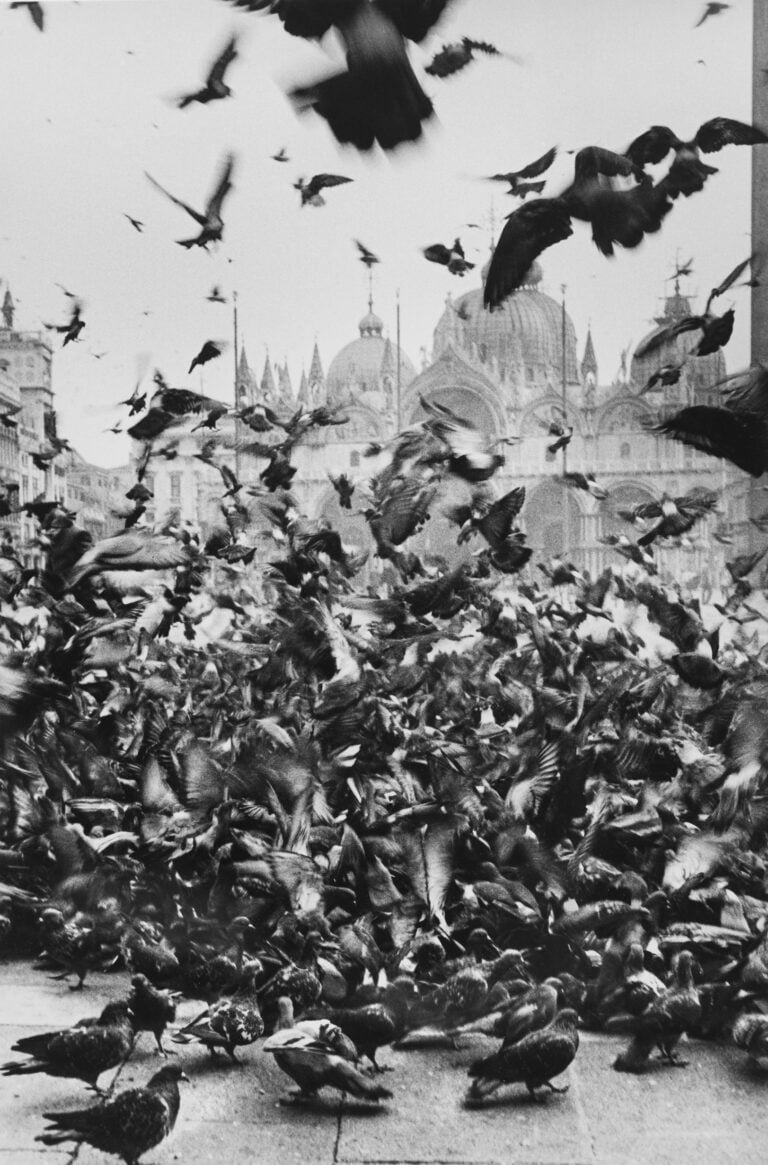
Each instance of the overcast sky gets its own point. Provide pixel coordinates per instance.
(90, 104)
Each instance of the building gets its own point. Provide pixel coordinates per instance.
(513, 372)
(97, 495)
(26, 359)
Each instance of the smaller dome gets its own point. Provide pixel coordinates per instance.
(370, 324)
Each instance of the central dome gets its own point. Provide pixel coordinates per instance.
(523, 335)
(360, 365)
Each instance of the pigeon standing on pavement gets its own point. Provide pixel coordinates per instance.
(128, 1126)
(80, 1053)
(534, 1060)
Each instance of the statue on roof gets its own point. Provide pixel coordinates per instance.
(8, 309)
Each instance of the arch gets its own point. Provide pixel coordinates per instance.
(545, 410)
(626, 415)
(623, 496)
(362, 424)
(465, 401)
(552, 516)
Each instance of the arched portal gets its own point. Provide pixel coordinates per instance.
(465, 403)
(623, 497)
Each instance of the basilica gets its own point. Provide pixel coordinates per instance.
(513, 372)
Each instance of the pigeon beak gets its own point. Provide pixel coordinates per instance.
(185, 1077)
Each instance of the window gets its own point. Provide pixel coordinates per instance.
(175, 479)
(626, 451)
(354, 459)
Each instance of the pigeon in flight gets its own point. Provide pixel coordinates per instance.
(517, 178)
(450, 257)
(454, 57)
(711, 9)
(210, 221)
(214, 89)
(377, 98)
(310, 191)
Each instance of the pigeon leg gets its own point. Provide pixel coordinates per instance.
(553, 1089)
(539, 1097)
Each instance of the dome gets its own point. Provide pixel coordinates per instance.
(361, 365)
(524, 335)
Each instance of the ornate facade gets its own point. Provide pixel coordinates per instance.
(512, 372)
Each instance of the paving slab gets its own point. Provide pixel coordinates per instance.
(715, 1112)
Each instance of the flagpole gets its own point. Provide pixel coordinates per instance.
(236, 391)
(566, 515)
(398, 414)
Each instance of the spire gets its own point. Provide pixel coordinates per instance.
(388, 365)
(243, 367)
(303, 394)
(316, 375)
(284, 386)
(589, 359)
(268, 390)
(8, 309)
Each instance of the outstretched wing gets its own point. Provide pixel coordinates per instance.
(533, 169)
(652, 147)
(741, 439)
(724, 131)
(199, 218)
(222, 62)
(527, 232)
(223, 186)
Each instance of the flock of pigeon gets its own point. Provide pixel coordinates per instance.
(347, 809)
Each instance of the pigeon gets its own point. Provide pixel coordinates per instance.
(209, 351)
(35, 10)
(667, 374)
(470, 455)
(281, 155)
(377, 99)
(688, 174)
(714, 8)
(344, 488)
(129, 1126)
(664, 1020)
(234, 1022)
(617, 217)
(365, 255)
(76, 948)
(450, 257)
(129, 551)
(534, 1060)
(310, 191)
(715, 332)
(453, 57)
(317, 1054)
(586, 482)
(215, 88)
(517, 178)
(751, 1033)
(135, 222)
(81, 1053)
(374, 1025)
(152, 1008)
(73, 327)
(215, 295)
(210, 221)
(493, 519)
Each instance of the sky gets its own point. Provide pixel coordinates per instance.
(90, 106)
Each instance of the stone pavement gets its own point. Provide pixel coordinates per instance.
(713, 1113)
